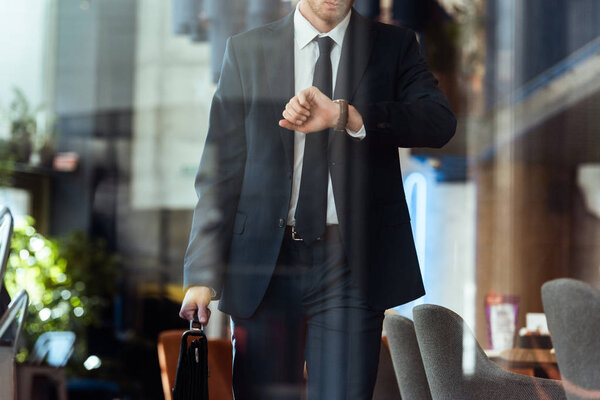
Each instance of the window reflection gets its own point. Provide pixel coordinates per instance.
(119, 91)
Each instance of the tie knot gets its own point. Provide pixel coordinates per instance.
(325, 45)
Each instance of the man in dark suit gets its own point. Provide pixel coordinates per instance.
(302, 228)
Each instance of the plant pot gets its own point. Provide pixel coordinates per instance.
(20, 147)
(47, 153)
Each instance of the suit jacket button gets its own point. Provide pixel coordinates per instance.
(281, 222)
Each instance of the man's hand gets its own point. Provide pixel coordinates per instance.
(195, 303)
(312, 111)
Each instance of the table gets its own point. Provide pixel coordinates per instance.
(533, 362)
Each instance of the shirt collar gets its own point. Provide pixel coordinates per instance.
(304, 32)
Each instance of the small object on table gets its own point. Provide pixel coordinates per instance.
(67, 161)
(501, 312)
(533, 340)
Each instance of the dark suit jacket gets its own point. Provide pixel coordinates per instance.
(245, 177)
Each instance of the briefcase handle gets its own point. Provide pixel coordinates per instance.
(194, 325)
(193, 331)
(196, 330)
(192, 366)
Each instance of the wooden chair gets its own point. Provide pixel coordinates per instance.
(220, 359)
(219, 364)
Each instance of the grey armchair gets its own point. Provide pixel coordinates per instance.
(11, 324)
(406, 357)
(12, 315)
(457, 368)
(573, 312)
(386, 385)
(6, 231)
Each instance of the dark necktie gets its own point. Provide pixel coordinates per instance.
(311, 211)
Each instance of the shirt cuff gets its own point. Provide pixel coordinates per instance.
(360, 134)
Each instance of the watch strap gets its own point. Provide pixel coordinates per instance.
(343, 118)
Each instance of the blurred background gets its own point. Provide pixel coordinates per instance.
(103, 114)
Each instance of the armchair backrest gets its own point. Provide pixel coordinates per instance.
(406, 357)
(11, 323)
(6, 231)
(573, 312)
(458, 368)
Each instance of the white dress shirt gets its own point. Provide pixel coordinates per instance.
(306, 53)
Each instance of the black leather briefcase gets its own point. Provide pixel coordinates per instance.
(191, 381)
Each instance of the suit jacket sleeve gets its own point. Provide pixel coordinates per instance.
(218, 181)
(419, 115)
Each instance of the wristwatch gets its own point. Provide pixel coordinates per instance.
(343, 118)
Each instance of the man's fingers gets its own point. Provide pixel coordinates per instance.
(303, 99)
(306, 96)
(284, 123)
(312, 96)
(196, 311)
(203, 314)
(292, 117)
(195, 304)
(299, 108)
(296, 112)
(188, 311)
(292, 127)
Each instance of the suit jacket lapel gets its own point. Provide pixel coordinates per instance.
(278, 53)
(356, 52)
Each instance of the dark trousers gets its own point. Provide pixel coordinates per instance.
(312, 311)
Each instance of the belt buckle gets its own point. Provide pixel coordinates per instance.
(295, 235)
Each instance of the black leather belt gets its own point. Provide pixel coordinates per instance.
(331, 231)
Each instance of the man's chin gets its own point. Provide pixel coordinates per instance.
(333, 17)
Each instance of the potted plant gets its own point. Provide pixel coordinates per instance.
(71, 281)
(25, 137)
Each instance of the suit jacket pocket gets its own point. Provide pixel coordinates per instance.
(239, 223)
(395, 214)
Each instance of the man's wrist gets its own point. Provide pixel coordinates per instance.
(205, 291)
(355, 121)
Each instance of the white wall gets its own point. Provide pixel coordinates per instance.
(26, 53)
(448, 259)
(172, 95)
